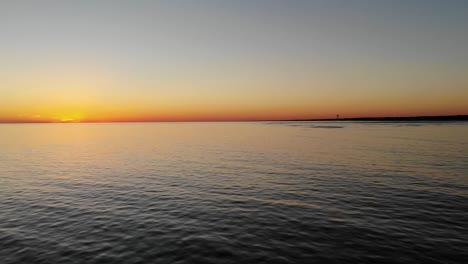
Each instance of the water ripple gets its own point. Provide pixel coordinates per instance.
(264, 194)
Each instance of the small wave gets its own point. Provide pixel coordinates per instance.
(326, 126)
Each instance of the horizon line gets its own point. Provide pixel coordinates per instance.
(458, 117)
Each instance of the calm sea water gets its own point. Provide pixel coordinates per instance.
(281, 192)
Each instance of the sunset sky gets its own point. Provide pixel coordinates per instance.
(92, 61)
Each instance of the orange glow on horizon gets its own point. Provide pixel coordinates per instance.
(90, 94)
(70, 62)
(207, 116)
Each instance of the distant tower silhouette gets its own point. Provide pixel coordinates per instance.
(337, 116)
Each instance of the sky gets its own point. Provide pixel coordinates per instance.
(207, 60)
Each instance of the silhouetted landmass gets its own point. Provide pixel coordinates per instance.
(449, 118)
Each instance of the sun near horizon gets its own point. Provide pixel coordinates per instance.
(231, 61)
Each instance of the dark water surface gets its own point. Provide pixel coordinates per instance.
(294, 192)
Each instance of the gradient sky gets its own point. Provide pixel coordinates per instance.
(231, 60)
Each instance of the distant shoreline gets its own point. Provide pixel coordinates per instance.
(449, 118)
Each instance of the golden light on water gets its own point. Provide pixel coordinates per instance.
(68, 118)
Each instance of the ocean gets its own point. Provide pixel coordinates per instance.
(235, 192)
